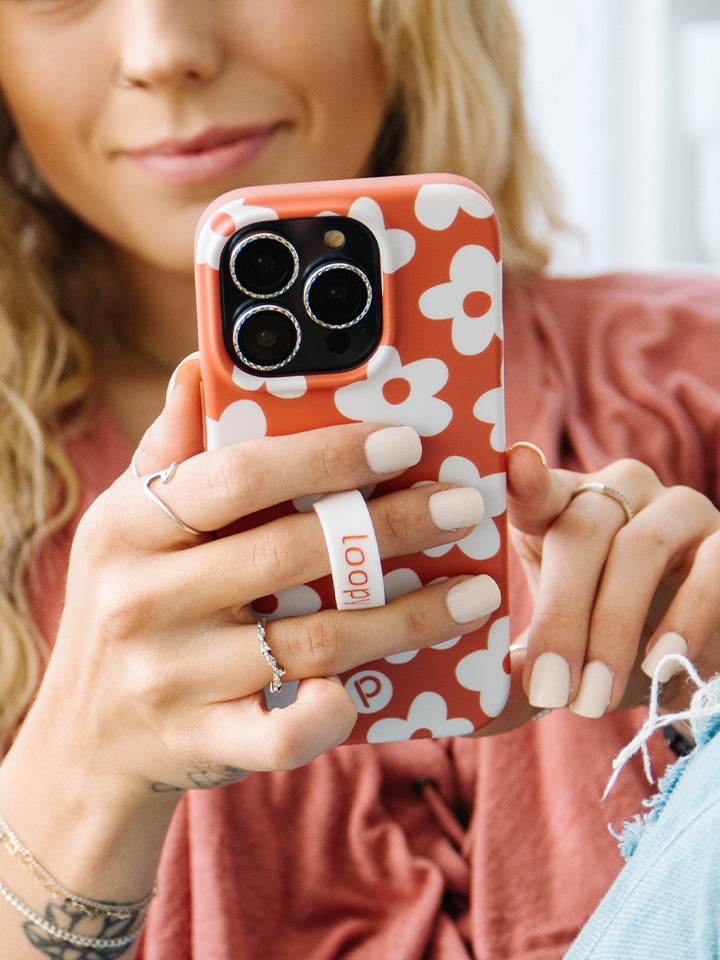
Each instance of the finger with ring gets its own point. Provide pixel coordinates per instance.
(278, 672)
(597, 486)
(164, 476)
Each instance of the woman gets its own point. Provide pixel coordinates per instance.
(124, 118)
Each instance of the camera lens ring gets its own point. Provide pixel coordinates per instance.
(243, 245)
(247, 315)
(321, 271)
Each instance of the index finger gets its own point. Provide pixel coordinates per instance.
(214, 489)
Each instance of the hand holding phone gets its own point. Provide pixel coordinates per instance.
(372, 300)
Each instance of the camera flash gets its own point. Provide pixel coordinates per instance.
(334, 239)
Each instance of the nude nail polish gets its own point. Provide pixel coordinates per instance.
(530, 446)
(456, 508)
(392, 448)
(474, 598)
(595, 690)
(550, 681)
(668, 643)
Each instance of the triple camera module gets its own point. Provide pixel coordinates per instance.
(301, 296)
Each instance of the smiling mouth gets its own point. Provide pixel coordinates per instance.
(210, 156)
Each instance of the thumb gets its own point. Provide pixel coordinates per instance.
(537, 495)
(177, 434)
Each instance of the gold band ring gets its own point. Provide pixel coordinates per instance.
(597, 486)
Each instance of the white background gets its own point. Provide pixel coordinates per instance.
(624, 99)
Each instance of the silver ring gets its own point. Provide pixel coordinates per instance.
(597, 486)
(165, 476)
(277, 671)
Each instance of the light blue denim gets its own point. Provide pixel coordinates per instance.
(665, 903)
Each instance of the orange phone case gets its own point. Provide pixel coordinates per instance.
(438, 368)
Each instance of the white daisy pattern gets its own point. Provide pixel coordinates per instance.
(467, 300)
(490, 408)
(240, 420)
(438, 204)
(428, 712)
(484, 670)
(394, 393)
(234, 215)
(288, 387)
(397, 247)
(484, 541)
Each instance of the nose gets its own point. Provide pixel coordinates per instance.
(165, 42)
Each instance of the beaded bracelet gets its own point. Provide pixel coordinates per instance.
(17, 849)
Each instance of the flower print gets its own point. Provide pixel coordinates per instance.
(484, 541)
(289, 387)
(394, 393)
(241, 420)
(484, 670)
(468, 300)
(428, 712)
(490, 408)
(438, 204)
(215, 232)
(397, 247)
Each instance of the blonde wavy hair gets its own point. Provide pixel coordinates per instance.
(454, 105)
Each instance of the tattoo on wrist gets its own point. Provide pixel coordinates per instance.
(205, 780)
(65, 933)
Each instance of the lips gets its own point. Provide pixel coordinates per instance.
(212, 155)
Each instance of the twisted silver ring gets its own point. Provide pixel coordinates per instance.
(165, 476)
(277, 671)
(597, 486)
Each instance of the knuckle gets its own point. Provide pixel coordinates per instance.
(314, 643)
(393, 524)
(330, 459)
(642, 539)
(558, 616)
(636, 472)
(417, 626)
(607, 627)
(285, 749)
(231, 477)
(586, 524)
(101, 530)
(284, 545)
(125, 608)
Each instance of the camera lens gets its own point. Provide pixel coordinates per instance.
(263, 265)
(266, 337)
(337, 295)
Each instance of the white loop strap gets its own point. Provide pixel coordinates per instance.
(352, 546)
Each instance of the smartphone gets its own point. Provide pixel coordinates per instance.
(375, 299)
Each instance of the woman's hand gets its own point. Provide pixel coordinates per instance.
(157, 639)
(611, 591)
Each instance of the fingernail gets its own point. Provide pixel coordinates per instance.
(173, 378)
(550, 681)
(668, 643)
(473, 598)
(456, 508)
(595, 690)
(530, 446)
(393, 448)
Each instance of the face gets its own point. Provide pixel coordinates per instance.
(137, 113)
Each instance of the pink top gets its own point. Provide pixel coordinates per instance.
(495, 847)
